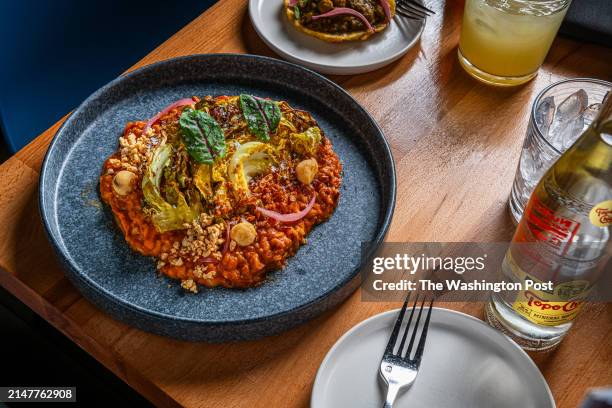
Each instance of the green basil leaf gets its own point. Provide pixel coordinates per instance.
(296, 12)
(202, 135)
(262, 115)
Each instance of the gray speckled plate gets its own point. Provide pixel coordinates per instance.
(124, 284)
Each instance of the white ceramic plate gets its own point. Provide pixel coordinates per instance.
(355, 57)
(466, 364)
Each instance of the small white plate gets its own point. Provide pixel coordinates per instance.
(354, 57)
(466, 364)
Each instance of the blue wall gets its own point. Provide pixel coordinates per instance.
(55, 53)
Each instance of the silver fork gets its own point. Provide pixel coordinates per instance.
(412, 9)
(398, 369)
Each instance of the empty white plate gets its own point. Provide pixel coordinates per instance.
(466, 364)
(354, 57)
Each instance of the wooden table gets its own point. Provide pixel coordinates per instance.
(456, 144)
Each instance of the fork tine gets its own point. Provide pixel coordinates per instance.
(419, 6)
(396, 328)
(407, 9)
(401, 347)
(421, 346)
(410, 8)
(416, 328)
(407, 15)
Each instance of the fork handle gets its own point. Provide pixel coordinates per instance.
(392, 391)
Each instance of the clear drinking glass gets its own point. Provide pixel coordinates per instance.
(504, 42)
(559, 115)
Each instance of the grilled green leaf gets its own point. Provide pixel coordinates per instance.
(271, 112)
(202, 135)
(262, 115)
(254, 117)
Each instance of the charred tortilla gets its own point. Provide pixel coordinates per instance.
(339, 28)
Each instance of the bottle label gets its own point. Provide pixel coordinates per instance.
(542, 225)
(546, 226)
(538, 309)
(601, 214)
(560, 306)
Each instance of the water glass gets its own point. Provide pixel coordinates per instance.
(559, 115)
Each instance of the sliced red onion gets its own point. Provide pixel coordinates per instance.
(208, 259)
(385, 6)
(180, 102)
(227, 238)
(288, 217)
(345, 10)
(293, 3)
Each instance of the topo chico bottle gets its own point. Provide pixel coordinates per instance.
(563, 238)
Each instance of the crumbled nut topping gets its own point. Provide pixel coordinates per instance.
(198, 272)
(189, 285)
(176, 261)
(134, 152)
(203, 239)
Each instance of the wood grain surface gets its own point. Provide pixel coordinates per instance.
(456, 144)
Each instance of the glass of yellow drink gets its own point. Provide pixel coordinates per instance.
(504, 42)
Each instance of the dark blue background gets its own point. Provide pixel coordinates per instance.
(56, 53)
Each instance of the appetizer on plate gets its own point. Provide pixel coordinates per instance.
(221, 189)
(340, 20)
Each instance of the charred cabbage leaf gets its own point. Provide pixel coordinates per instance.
(262, 115)
(202, 179)
(166, 216)
(249, 160)
(203, 137)
(307, 142)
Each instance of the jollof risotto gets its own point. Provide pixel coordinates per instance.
(221, 190)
